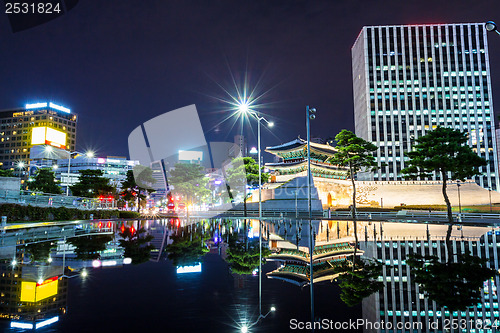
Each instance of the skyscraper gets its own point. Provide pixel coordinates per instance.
(407, 80)
(35, 124)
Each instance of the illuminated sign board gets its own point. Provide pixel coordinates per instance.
(49, 136)
(44, 105)
(59, 107)
(47, 322)
(189, 269)
(36, 105)
(34, 292)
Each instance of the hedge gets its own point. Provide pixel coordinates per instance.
(17, 213)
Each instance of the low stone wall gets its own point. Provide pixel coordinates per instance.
(10, 183)
(389, 194)
(338, 193)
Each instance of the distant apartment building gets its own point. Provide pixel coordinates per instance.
(407, 80)
(43, 123)
(113, 167)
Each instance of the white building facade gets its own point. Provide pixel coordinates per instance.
(407, 80)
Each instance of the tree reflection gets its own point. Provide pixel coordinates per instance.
(39, 251)
(136, 246)
(360, 280)
(187, 248)
(88, 248)
(455, 285)
(243, 256)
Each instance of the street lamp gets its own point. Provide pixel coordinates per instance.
(459, 203)
(491, 26)
(88, 154)
(244, 108)
(310, 115)
(245, 327)
(489, 193)
(20, 166)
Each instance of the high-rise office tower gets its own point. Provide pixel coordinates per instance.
(36, 124)
(407, 80)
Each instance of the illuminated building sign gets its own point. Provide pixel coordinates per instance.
(36, 105)
(189, 269)
(47, 322)
(44, 105)
(34, 292)
(59, 107)
(49, 136)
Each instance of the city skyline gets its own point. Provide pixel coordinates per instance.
(296, 55)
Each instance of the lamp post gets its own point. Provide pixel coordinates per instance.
(20, 166)
(489, 193)
(244, 328)
(459, 203)
(310, 115)
(491, 26)
(244, 108)
(89, 154)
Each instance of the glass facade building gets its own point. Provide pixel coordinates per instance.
(407, 80)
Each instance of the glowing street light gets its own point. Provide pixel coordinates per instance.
(244, 328)
(310, 115)
(89, 154)
(491, 26)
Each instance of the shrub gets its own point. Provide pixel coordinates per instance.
(20, 213)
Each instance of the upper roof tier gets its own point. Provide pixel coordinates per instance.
(300, 144)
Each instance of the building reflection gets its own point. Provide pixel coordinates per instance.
(402, 304)
(32, 296)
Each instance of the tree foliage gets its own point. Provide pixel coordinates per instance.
(88, 248)
(137, 184)
(6, 173)
(136, 245)
(353, 152)
(244, 171)
(39, 252)
(356, 154)
(45, 181)
(187, 249)
(443, 151)
(92, 184)
(360, 282)
(244, 258)
(189, 181)
(455, 285)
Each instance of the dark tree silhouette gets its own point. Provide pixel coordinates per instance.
(88, 248)
(452, 285)
(360, 282)
(136, 245)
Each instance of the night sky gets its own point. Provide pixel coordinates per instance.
(119, 63)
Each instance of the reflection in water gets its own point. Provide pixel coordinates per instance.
(31, 294)
(406, 304)
(382, 258)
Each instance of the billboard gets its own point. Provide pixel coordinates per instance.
(34, 292)
(48, 136)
